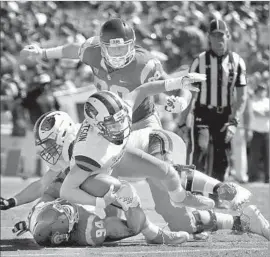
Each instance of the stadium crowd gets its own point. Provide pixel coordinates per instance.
(175, 32)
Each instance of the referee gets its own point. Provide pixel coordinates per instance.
(220, 102)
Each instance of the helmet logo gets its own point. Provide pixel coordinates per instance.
(48, 124)
(116, 41)
(57, 238)
(90, 110)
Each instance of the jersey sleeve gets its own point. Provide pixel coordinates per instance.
(241, 74)
(85, 51)
(151, 71)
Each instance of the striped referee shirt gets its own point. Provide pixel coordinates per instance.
(222, 75)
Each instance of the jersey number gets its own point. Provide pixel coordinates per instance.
(102, 85)
(101, 231)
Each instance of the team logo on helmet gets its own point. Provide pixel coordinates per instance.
(90, 110)
(58, 238)
(48, 123)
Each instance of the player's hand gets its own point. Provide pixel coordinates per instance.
(6, 204)
(230, 129)
(193, 78)
(20, 228)
(31, 52)
(110, 196)
(175, 104)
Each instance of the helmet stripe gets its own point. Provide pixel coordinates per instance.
(119, 104)
(111, 105)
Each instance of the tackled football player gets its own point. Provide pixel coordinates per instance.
(102, 140)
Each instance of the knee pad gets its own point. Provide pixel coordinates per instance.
(200, 227)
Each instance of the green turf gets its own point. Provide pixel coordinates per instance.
(219, 244)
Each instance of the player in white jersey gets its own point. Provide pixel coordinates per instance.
(54, 133)
(102, 139)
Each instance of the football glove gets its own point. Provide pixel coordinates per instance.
(31, 52)
(230, 128)
(20, 228)
(6, 204)
(175, 104)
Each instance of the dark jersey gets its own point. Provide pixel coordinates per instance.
(142, 69)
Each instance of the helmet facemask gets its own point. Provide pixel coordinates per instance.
(118, 53)
(49, 150)
(49, 141)
(116, 128)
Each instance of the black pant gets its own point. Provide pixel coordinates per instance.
(259, 156)
(207, 124)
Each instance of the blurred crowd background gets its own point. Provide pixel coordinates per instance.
(175, 32)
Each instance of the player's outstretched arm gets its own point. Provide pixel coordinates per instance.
(136, 97)
(29, 194)
(69, 51)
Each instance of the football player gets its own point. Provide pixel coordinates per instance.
(118, 66)
(103, 136)
(54, 221)
(193, 222)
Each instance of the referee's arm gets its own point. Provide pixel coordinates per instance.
(241, 91)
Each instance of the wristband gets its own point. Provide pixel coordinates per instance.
(12, 202)
(100, 203)
(173, 83)
(183, 125)
(234, 122)
(53, 53)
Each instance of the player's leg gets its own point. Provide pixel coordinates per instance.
(138, 222)
(145, 165)
(168, 146)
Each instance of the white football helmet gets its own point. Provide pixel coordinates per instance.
(51, 131)
(107, 112)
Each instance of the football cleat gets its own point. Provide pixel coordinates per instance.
(233, 195)
(252, 221)
(169, 238)
(127, 196)
(195, 201)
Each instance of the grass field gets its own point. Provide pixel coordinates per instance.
(219, 244)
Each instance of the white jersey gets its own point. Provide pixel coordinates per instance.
(93, 153)
(64, 160)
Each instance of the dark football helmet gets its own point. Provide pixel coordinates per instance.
(117, 41)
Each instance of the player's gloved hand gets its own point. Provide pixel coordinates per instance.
(6, 204)
(175, 104)
(20, 228)
(107, 199)
(193, 78)
(230, 128)
(31, 52)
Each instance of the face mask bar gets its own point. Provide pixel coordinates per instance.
(50, 151)
(118, 61)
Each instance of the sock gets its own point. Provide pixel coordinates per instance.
(196, 181)
(211, 221)
(150, 231)
(224, 221)
(173, 184)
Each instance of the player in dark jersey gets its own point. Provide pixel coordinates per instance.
(54, 221)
